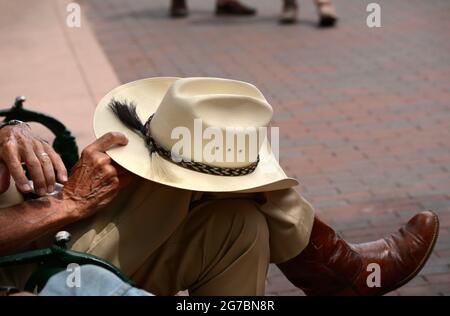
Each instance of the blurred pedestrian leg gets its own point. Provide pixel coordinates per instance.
(178, 9)
(290, 12)
(325, 9)
(327, 13)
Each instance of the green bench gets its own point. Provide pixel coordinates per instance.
(57, 257)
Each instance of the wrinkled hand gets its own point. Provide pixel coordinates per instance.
(94, 180)
(18, 145)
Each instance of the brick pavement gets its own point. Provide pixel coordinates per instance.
(364, 113)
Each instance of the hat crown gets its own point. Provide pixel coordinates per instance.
(212, 114)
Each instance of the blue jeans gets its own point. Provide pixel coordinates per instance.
(93, 281)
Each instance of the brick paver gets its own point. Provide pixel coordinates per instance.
(364, 113)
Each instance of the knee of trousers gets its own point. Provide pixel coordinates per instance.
(219, 240)
(237, 223)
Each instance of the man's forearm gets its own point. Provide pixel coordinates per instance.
(30, 220)
(93, 183)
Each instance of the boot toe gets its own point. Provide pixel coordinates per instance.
(424, 223)
(400, 256)
(424, 229)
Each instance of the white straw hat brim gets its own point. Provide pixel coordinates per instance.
(147, 95)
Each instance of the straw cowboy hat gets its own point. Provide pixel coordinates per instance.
(160, 115)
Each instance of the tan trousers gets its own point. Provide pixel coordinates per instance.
(221, 248)
(169, 239)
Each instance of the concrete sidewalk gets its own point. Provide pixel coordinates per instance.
(62, 71)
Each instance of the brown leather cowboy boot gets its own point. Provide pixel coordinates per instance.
(331, 266)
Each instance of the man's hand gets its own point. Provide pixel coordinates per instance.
(18, 145)
(92, 184)
(94, 180)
